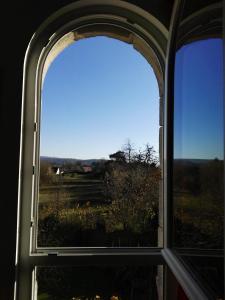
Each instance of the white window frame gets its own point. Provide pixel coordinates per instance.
(152, 39)
(117, 19)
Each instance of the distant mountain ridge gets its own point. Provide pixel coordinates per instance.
(61, 160)
(195, 160)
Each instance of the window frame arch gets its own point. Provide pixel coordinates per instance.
(117, 19)
(128, 16)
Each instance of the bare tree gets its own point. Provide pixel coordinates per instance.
(133, 188)
(128, 149)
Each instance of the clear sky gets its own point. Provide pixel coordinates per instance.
(98, 93)
(199, 123)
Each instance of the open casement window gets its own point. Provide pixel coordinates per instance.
(194, 187)
(172, 269)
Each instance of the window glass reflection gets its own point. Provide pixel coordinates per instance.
(198, 145)
(97, 283)
(208, 268)
(198, 182)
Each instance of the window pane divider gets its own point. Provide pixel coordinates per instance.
(55, 259)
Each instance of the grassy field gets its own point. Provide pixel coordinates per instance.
(77, 189)
(198, 221)
(74, 211)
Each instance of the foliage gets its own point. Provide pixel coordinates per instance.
(125, 214)
(132, 185)
(199, 208)
(45, 173)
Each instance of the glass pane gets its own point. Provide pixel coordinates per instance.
(198, 145)
(198, 166)
(99, 168)
(97, 283)
(208, 268)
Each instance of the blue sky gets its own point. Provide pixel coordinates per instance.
(100, 92)
(198, 111)
(97, 94)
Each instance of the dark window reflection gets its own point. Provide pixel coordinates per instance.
(208, 268)
(198, 145)
(97, 283)
(198, 157)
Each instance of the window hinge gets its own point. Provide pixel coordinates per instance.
(35, 126)
(33, 169)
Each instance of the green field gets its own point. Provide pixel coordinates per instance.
(77, 189)
(74, 210)
(198, 221)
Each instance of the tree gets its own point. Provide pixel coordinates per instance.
(128, 151)
(133, 188)
(150, 157)
(45, 172)
(118, 156)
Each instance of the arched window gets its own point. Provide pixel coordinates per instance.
(99, 135)
(93, 238)
(104, 265)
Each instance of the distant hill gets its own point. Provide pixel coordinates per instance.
(192, 161)
(61, 161)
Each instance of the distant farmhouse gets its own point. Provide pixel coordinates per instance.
(53, 170)
(87, 169)
(57, 170)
